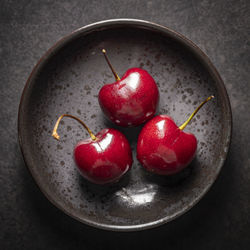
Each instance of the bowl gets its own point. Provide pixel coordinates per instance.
(67, 79)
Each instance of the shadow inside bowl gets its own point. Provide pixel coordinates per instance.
(172, 180)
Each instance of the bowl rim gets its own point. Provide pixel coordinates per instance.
(120, 22)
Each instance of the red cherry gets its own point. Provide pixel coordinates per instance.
(131, 100)
(103, 158)
(163, 147)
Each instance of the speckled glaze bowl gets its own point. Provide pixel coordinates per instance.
(67, 80)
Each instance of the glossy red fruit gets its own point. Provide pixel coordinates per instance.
(163, 147)
(102, 158)
(131, 100)
(105, 159)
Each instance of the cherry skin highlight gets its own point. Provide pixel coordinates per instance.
(131, 100)
(102, 158)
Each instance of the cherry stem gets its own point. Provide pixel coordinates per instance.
(111, 67)
(57, 137)
(193, 114)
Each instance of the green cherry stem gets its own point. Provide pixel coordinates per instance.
(194, 113)
(57, 137)
(111, 67)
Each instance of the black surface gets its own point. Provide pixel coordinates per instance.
(221, 220)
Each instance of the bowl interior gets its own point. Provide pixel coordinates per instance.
(68, 81)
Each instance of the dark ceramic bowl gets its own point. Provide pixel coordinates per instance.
(67, 80)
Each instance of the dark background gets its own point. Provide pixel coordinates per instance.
(221, 220)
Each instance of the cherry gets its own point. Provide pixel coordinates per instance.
(131, 100)
(102, 158)
(163, 147)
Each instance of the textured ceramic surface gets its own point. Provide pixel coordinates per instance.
(67, 80)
